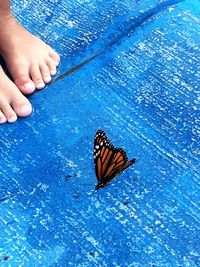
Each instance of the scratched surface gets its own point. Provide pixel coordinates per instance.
(142, 88)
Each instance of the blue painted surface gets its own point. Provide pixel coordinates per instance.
(142, 88)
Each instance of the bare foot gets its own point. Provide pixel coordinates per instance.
(12, 102)
(30, 61)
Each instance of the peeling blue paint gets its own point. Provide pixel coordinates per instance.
(142, 88)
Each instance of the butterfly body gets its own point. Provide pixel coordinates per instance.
(109, 161)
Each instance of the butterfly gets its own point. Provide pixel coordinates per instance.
(109, 161)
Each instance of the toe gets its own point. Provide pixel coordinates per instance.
(2, 117)
(22, 79)
(21, 105)
(46, 76)
(54, 56)
(8, 112)
(52, 66)
(12, 102)
(23, 110)
(36, 76)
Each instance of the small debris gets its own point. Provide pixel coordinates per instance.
(3, 199)
(4, 258)
(126, 202)
(76, 196)
(92, 253)
(69, 176)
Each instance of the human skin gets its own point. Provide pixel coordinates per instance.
(30, 61)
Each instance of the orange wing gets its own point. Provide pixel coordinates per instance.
(109, 161)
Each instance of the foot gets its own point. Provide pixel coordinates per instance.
(29, 60)
(12, 102)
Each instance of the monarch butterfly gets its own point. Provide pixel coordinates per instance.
(109, 161)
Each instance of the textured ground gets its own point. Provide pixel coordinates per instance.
(142, 88)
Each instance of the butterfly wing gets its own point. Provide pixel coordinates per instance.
(109, 161)
(118, 164)
(103, 154)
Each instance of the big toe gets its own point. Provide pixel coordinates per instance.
(22, 108)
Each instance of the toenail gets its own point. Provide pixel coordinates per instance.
(47, 78)
(40, 85)
(25, 110)
(29, 86)
(2, 119)
(12, 118)
(53, 71)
